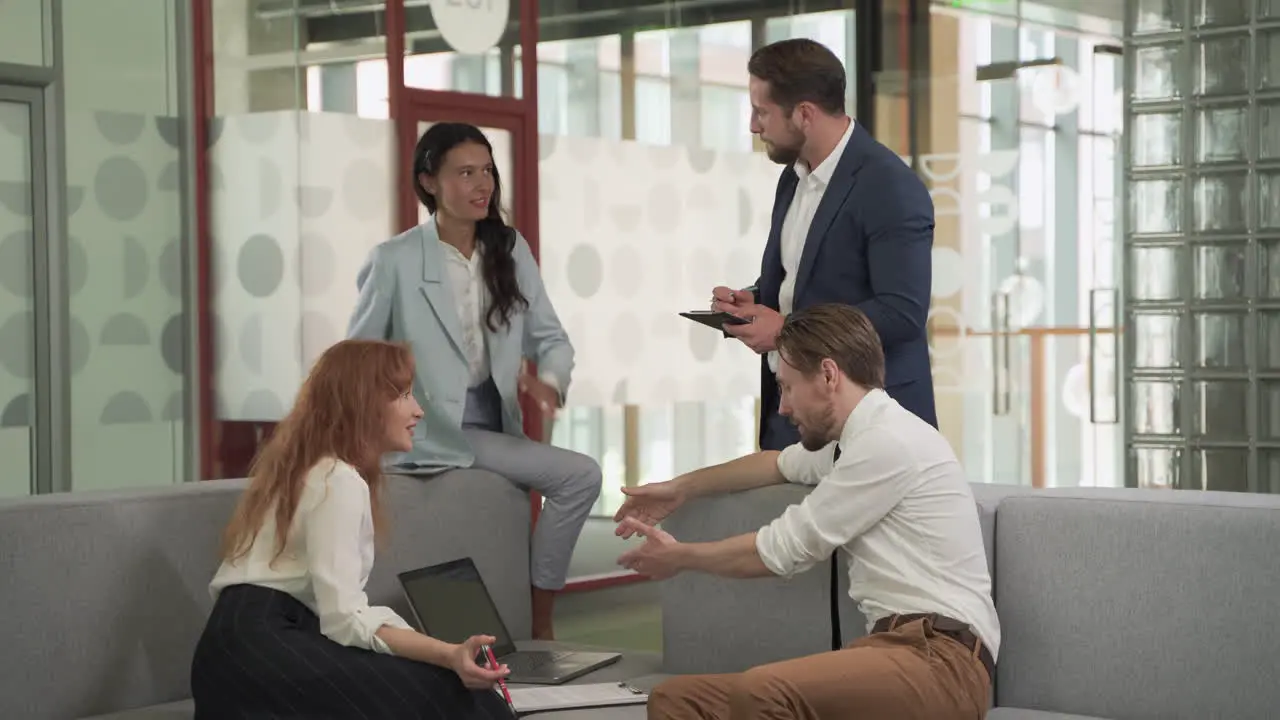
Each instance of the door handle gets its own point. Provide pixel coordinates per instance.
(1001, 396)
(1092, 369)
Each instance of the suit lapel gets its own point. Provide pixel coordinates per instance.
(435, 285)
(771, 265)
(842, 182)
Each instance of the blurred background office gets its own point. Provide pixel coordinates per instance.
(187, 188)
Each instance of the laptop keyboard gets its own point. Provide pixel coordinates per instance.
(533, 660)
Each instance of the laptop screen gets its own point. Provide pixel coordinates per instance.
(452, 604)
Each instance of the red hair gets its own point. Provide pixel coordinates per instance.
(340, 412)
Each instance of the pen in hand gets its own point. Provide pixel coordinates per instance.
(502, 683)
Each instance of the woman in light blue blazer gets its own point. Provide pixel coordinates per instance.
(464, 291)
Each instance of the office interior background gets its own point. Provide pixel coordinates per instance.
(188, 187)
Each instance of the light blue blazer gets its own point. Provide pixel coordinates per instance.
(405, 296)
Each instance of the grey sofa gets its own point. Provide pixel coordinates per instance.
(1114, 604)
(104, 594)
(1122, 605)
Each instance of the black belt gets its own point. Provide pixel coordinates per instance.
(943, 625)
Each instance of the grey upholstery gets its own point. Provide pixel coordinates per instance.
(105, 594)
(1017, 714)
(1140, 605)
(1114, 604)
(702, 615)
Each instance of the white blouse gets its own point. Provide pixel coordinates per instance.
(471, 297)
(327, 558)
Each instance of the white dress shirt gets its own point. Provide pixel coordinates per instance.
(799, 218)
(471, 297)
(327, 557)
(898, 503)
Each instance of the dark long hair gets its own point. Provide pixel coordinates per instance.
(495, 238)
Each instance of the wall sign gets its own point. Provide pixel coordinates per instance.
(471, 26)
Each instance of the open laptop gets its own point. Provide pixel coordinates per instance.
(451, 603)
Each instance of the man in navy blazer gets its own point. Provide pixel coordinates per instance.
(851, 224)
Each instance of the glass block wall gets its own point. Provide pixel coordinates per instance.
(1202, 244)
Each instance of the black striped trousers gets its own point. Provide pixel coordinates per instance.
(262, 656)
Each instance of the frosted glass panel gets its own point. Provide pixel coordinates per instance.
(17, 347)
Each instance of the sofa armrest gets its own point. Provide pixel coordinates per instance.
(712, 624)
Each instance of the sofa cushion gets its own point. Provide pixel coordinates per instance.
(458, 514)
(787, 618)
(106, 593)
(1017, 714)
(1139, 604)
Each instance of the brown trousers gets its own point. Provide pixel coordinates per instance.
(911, 673)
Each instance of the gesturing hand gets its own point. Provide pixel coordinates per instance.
(473, 675)
(649, 504)
(547, 398)
(656, 557)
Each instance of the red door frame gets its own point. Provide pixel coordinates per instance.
(203, 110)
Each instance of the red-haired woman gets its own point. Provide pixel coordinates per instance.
(292, 634)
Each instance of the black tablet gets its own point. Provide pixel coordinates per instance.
(714, 318)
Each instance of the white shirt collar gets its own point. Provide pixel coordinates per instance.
(863, 414)
(822, 174)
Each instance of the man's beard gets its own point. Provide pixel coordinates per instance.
(788, 153)
(817, 434)
(781, 155)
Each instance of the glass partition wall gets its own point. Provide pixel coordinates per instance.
(1203, 239)
(650, 190)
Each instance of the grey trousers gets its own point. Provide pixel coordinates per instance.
(568, 481)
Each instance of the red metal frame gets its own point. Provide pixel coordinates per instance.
(202, 56)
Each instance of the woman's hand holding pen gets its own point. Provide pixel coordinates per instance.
(473, 675)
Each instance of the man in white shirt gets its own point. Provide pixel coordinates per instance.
(889, 492)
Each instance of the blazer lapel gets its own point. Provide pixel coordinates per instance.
(435, 285)
(771, 263)
(842, 182)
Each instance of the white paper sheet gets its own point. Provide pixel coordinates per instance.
(566, 697)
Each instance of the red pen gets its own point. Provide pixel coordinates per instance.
(493, 665)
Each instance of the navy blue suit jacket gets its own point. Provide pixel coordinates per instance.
(870, 246)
